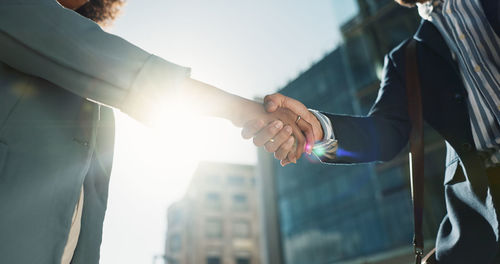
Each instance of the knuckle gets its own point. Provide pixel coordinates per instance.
(244, 134)
(280, 154)
(268, 148)
(300, 140)
(283, 137)
(271, 97)
(271, 129)
(258, 124)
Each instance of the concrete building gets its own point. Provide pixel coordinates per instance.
(217, 221)
(315, 213)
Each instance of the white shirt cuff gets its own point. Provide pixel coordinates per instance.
(326, 125)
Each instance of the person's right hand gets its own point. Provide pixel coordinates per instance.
(273, 103)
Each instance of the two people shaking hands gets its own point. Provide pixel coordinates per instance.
(295, 130)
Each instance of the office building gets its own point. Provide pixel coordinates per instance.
(349, 214)
(217, 221)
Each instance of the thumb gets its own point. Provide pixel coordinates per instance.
(273, 102)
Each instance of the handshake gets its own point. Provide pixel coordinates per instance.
(286, 128)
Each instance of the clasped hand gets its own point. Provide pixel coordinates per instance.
(288, 130)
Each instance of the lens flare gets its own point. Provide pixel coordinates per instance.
(319, 151)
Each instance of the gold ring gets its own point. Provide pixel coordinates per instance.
(298, 118)
(271, 140)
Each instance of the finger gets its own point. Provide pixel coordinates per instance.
(284, 162)
(251, 128)
(291, 157)
(300, 142)
(290, 118)
(273, 101)
(284, 149)
(267, 133)
(307, 129)
(278, 139)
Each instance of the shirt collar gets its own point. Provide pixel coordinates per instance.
(425, 10)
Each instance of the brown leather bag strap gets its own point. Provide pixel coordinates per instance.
(414, 95)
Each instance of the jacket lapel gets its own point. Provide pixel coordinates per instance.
(429, 35)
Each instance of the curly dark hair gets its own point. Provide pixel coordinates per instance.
(102, 12)
(410, 3)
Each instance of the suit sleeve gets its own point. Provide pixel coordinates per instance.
(44, 39)
(380, 135)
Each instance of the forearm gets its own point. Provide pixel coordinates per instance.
(45, 40)
(367, 139)
(208, 100)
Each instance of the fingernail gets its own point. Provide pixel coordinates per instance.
(270, 104)
(278, 124)
(288, 129)
(308, 149)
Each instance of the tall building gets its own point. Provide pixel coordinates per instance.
(217, 221)
(350, 214)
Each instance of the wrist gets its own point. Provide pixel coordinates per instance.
(316, 126)
(245, 110)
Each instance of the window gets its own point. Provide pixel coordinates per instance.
(213, 260)
(241, 229)
(243, 260)
(213, 228)
(240, 202)
(175, 217)
(212, 179)
(236, 180)
(175, 243)
(213, 201)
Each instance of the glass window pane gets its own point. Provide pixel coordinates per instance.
(213, 179)
(213, 228)
(236, 180)
(241, 229)
(213, 260)
(175, 243)
(240, 202)
(242, 261)
(213, 201)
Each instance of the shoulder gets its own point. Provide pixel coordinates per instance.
(397, 54)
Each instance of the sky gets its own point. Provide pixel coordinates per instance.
(249, 48)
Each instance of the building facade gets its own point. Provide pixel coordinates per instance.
(360, 213)
(217, 221)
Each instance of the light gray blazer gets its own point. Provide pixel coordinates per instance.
(52, 139)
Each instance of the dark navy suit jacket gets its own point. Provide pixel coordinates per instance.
(469, 231)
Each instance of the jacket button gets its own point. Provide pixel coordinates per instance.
(467, 146)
